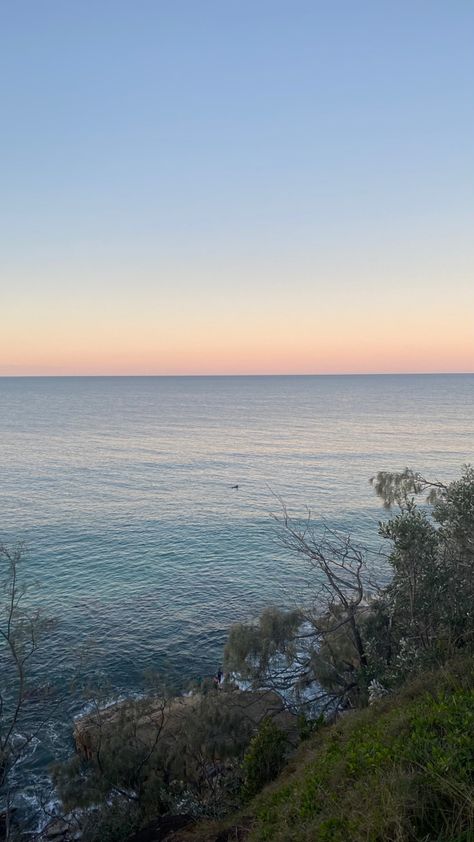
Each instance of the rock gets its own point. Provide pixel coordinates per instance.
(148, 714)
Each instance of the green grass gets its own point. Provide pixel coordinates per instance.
(402, 770)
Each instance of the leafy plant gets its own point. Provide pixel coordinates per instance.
(264, 758)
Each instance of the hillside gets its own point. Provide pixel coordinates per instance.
(399, 771)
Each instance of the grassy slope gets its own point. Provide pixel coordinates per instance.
(401, 770)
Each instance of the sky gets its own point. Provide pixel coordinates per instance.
(236, 186)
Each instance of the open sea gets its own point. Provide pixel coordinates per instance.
(121, 489)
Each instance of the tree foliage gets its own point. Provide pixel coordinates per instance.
(264, 758)
(314, 655)
(161, 756)
(21, 631)
(353, 631)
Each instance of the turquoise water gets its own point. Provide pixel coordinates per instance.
(121, 489)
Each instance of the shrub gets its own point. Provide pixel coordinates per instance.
(264, 757)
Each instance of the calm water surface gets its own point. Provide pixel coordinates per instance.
(121, 488)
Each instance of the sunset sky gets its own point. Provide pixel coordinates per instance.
(236, 186)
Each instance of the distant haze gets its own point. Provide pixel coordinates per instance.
(236, 188)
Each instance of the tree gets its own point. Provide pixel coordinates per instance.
(146, 757)
(431, 594)
(354, 631)
(117, 771)
(317, 653)
(21, 631)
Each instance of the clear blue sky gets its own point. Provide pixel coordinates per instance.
(236, 186)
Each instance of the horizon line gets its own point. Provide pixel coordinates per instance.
(254, 374)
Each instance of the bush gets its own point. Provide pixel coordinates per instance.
(111, 823)
(307, 726)
(356, 633)
(264, 758)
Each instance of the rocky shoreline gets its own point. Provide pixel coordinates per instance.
(149, 716)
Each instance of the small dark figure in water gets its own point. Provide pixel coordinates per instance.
(234, 486)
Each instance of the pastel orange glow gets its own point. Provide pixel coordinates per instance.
(327, 335)
(288, 192)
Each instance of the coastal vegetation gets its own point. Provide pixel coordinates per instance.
(356, 639)
(22, 628)
(400, 770)
(356, 722)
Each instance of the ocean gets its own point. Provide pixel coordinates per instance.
(137, 543)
